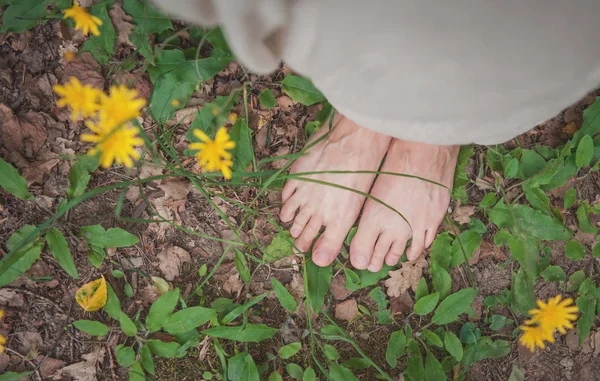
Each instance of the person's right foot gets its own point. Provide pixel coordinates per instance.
(348, 147)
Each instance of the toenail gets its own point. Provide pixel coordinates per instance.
(295, 232)
(362, 261)
(373, 268)
(322, 256)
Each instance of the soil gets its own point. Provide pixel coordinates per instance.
(40, 305)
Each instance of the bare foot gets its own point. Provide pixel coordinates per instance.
(382, 233)
(348, 147)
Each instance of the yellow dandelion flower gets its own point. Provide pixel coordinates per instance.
(114, 144)
(232, 117)
(212, 154)
(2, 343)
(69, 56)
(120, 106)
(535, 336)
(84, 22)
(83, 99)
(554, 315)
(1, 314)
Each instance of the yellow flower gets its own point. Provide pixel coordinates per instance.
(93, 295)
(1, 314)
(535, 335)
(115, 144)
(85, 22)
(120, 106)
(212, 154)
(2, 343)
(175, 102)
(69, 56)
(554, 315)
(83, 99)
(232, 117)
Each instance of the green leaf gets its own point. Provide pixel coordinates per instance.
(587, 309)
(414, 368)
(537, 198)
(147, 361)
(554, 274)
(242, 265)
(575, 281)
(243, 153)
(442, 282)
(161, 309)
(12, 376)
(432, 338)
(127, 326)
(422, 289)
(426, 304)
(309, 374)
(113, 305)
(531, 164)
(570, 198)
(275, 376)
(295, 371)
(12, 181)
(136, 373)
(188, 319)
(469, 333)
(95, 235)
(250, 372)
(574, 250)
(523, 219)
(470, 241)
(280, 247)
(102, 46)
(319, 280)
(148, 19)
(231, 316)
(22, 15)
(60, 250)
(163, 349)
(441, 250)
(289, 350)
(25, 257)
(339, 373)
(96, 256)
(453, 345)
(517, 374)
(511, 168)
(285, 298)
(596, 250)
(498, 322)
(395, 348)
(250, 333)
(92, 328)
(331, 353)
(302, 90)
(125, 355)
(433, 369)
(522, 291)
(210, 117)
(266, 98)
(358, 279)
(356, 363)
(585, 151)
(453, 306)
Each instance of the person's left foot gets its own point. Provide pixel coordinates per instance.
(382, 233)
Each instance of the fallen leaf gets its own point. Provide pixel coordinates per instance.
(489, 250)
(406, 277)
(29, 340)
(596, 343)
(122, 24)
(11, 298)
(84, 370)
(49, 365)
(171, 258)
(93, 295)
(401, 305)
(150, 169)
(462, 214)
(570, 129)
(25, 133)
(86, 70)
(346, 310)
(477, 306)
(176, 189)
(229, 276)
(35, 172)
(286, 103)
(338, 287)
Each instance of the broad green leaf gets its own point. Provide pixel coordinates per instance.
(136, 373)
(583, 219)
(460, 175)
(596, 250)
(469, 333)
(486, 348)
(531, 164)
(422, 289)
(91, 327)
(165, 61)
(231, 316)
(128, 290)
(280, 247)
(295, 371)
(453, 345)
(432, 338)
(426, 304)
(148, 19)
(102, 46)
(441, 250)
(433, 369)
(285, 298)
(24, 258)
(113, 305)
(442, 282)
(147, 361)
(210, 117)
(60, 250)
(477, 226)
(357, 279)
(12, 181)
(96, 256)
(585, 151)
(250, 372)
(22, 15)
(383, 314)
(574, 250)
(356, 363)
(537, 198)
(266, 98)
(523, 219)
(319, 280)
(250, 333)
(127, 325)
(235, 366)
(570, 198)
(517, 373)
(243, 153)
(163, 349)
(188, 319)
(340, 373)
(453, 306)
(275, 376)
(522, 294)
(469, 241)
(242, 265)
(511, 168)
(586, 301)
(140, 40)
(125, 355)
(95, 235)
(289, 350)
(12, 376)
(498, 322)
(302, 90)
(575, 281)
(554, 274)
(331, 353)
(414, 368)
(591, 122)
(161, 309)
(309, 375)
(395, 348)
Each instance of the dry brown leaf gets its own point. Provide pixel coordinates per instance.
(462, 214)
(171, 258)
(229, 278)
(86, 70)
(35, 172)
(347, 310)
(123, 26)
(11, 298)
(84, 370)
(401, 305)
(406, 277)
(338, 287)
(25, 133)
(49, 365)
(176, 189)
(570, 129)
(150, 169)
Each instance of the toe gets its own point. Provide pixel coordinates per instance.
(329, 245)
(308, 235)
(288, 211)
(363, 244)
(384, 242)
(288, 190)
(300, 222)
(430, 237)
(396, 251)
(417, 245)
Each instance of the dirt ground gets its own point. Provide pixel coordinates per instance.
(40, 305)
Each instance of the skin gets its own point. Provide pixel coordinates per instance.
(382, 234)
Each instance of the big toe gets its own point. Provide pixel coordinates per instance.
(329, 245)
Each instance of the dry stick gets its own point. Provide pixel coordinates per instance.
(30, 362)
